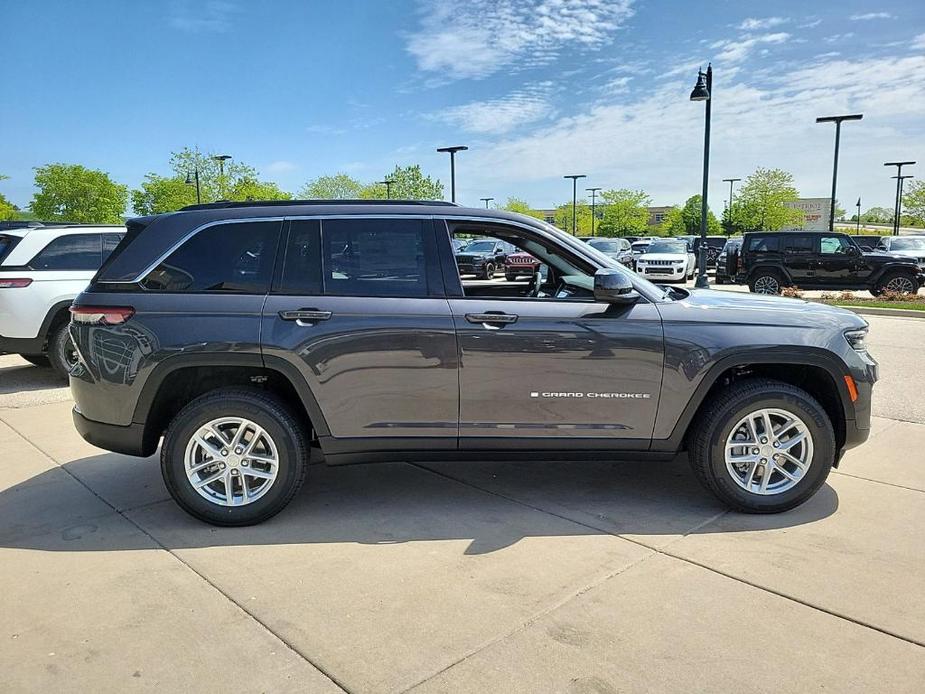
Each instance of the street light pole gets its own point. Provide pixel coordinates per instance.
(486, 201)
(388, 188)
(838, 121)
(703, 91)
(575, 178)
(453, 151)
(899, 205)
(188, 182)
(593, 192)
(857, 227)
(730, 181)
(221, 159)
(899, 184)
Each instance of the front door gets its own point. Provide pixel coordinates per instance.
(356, 309)
(836, 265)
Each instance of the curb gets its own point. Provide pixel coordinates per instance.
(876, 311)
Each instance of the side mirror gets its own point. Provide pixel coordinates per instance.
(614, 287)
(854, 250)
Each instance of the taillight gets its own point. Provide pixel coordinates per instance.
(12, 282)
(101, 315)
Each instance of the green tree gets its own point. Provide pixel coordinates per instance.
(340, 186)
(7, 209)
(159, 194)
(686, 220)
(408, 183)
(521, 207)
(213, 184)
(760, 202)
(73, 193)
(251, 189)
(625, 212)
(583, 217)
(914, 203)
(877, 215)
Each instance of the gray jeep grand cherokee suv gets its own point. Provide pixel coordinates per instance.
(248, 338)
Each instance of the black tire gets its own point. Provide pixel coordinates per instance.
(765, 282)
(61, 353)
(266, 411)
(888, 277)
(715, 423)
(489, 271)
(37, 359)
(509, 277)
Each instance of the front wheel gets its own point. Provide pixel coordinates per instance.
(234, 457)
(489, 271)
(509, 277)
(895, 282)
(763, 446)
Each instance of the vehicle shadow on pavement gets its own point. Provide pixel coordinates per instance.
(17, 379)
(491, 504)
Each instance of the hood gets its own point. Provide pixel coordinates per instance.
(749, 309)
(663, 256)
(884, 257)
(912, 253)
(463, 255)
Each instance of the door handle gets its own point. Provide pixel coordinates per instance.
(491, 318)
(305, 316)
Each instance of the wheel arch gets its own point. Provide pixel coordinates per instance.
(778, 270)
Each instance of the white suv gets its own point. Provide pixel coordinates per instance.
(669, 260)
(42, 269)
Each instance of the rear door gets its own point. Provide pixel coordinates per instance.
(358, 309)
(799, 256)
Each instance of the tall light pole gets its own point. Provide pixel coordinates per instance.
(575, 178)
(897, 221)
(857, 227)
(221, 159)
(453, 151)
(899, 185)
(703, 91)
(593, 192)
(838, 121)
(730, 181)
(388, 188)
(486, 201)
(189, 181)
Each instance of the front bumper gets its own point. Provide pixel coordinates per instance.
(130, 440)
(661, 272)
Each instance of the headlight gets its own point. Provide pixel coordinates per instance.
(857, 339)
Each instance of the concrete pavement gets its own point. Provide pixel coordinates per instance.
(475, 577)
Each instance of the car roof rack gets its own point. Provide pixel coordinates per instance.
(227, 204)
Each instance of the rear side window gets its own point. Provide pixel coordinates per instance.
(798, 245)
(763, 244)
(302, 262)
(374, 257)
(220, 258)
(110, 241)
(73, 252)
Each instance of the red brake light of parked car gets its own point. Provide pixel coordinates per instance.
(101, 315)
(13, 282)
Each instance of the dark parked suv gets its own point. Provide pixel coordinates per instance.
(243, 338)
(771, 260)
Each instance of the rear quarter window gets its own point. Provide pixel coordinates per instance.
(6, 245)
(764, 244)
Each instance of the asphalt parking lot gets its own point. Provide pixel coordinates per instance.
(464, 577)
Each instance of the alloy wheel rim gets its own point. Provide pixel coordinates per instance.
(231, 461)
(903, 285)
(766, 285)
(768, 451)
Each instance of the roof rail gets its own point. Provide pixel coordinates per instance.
(226, 204)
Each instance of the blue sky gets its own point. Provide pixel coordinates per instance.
(535, 89)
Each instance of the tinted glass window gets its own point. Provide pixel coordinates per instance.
(75, 252)
(225, 257)
(302, 263)
(374, 257)
(763, 244)
(831, 245)
(110, 241)
(797, 245)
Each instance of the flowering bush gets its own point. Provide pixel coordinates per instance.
(792, 292)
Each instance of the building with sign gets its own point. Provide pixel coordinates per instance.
(816, 212)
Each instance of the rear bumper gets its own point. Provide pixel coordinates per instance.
(129, 440)
(22, 345)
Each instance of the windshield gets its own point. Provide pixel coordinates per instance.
(605, 246)
(640, 245)
(667, 247)
(917, 244)
(480, 247)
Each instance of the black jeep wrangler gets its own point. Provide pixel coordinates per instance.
(771, 260)
(242, 338)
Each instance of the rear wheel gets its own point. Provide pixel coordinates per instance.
(895, 282)
(763, 446)
(61, 351)
(765, 282)
(36, 359)
(234, 457)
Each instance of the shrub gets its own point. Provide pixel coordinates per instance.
(792, 292)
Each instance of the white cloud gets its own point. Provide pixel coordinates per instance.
(195, 17)
(918, 41)
(736, 50)
(754, 24)
(460, 39)
(870, 15)
(280, 166)
(838, 38)
(809, 24)
(498, 116)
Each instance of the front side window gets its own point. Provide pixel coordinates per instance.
(220, 258)
(374, 257)
(73, 252)
(833, 245)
